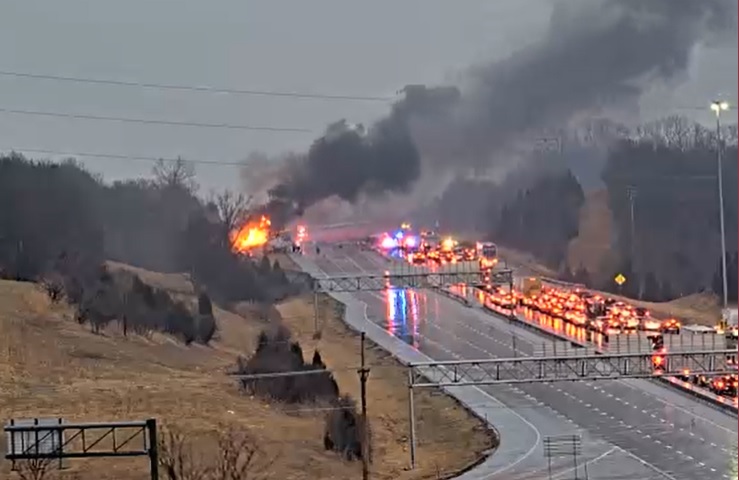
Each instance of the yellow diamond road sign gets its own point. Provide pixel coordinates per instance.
(620, 279)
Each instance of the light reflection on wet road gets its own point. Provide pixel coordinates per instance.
(684, 439)
(402, 315)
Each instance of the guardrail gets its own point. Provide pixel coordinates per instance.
(706, 395)
(563, 284)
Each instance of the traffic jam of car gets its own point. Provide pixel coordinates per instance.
(607, 317)
(429, 248)
(593, 316)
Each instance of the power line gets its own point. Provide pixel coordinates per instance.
(145, 121)
(114, 156)
(192, 88)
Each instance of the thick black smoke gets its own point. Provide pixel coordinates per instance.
(595, 55)
(349, 161)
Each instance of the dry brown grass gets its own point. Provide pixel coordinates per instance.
(52, 367)
(526, 263)
(698, 308)
(448, 436)
(593, 242)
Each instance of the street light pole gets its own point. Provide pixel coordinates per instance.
(718, 107)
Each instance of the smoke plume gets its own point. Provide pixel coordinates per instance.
(349, 161)
(595, 56)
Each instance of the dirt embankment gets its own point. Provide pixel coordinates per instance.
(50, 366)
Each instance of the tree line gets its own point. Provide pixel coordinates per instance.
(544, 218)
(671, 243)
(59, 224)
(668, 244)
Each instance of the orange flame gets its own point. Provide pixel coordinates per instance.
(251, 235)
(302, 235)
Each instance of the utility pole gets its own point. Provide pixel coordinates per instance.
(315, 311)
(631, 193)
(363, 374)
(718, 107)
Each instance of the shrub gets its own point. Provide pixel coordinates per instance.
(344, 430)
(276, 353)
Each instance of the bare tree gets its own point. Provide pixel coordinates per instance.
(34, 468)
(176, 457)
(676, 132)
(53, 285)
(175, 173)
(232, 207)
(239, 458)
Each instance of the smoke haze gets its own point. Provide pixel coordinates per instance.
(596, 56)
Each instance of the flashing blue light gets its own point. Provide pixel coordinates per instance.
(399, 235)
(403, 307)
(398, 304)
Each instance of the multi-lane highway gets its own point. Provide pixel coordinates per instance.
(632, 429)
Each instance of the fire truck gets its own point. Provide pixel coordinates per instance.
(487, 254)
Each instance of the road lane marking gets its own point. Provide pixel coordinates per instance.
(647, 464)
(511, 465)
(589, 462)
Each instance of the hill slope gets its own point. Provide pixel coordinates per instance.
(52, 367)
(593, 242)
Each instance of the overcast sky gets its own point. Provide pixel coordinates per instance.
(369, 48)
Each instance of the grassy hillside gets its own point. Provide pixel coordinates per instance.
(50, 366)
(593, 242)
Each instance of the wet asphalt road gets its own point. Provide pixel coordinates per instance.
(632, 429)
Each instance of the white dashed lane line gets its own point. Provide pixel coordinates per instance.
(597, 388)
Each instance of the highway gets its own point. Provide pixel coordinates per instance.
(632, 429)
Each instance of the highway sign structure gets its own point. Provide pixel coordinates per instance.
(405, 278)
(538, 369)
(40, 441)
(635, 342)
(382, 281)
(571, 367)
(561, 446)
(45, 441)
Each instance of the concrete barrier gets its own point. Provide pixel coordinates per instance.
(700, 393)
(498, 417)
(711, 398)
(451, 295)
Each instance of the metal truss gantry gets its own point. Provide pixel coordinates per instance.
(34, 442)
(459, 373)
(582, 367)
(382, 281)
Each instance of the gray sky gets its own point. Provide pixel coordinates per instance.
(322, 46)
